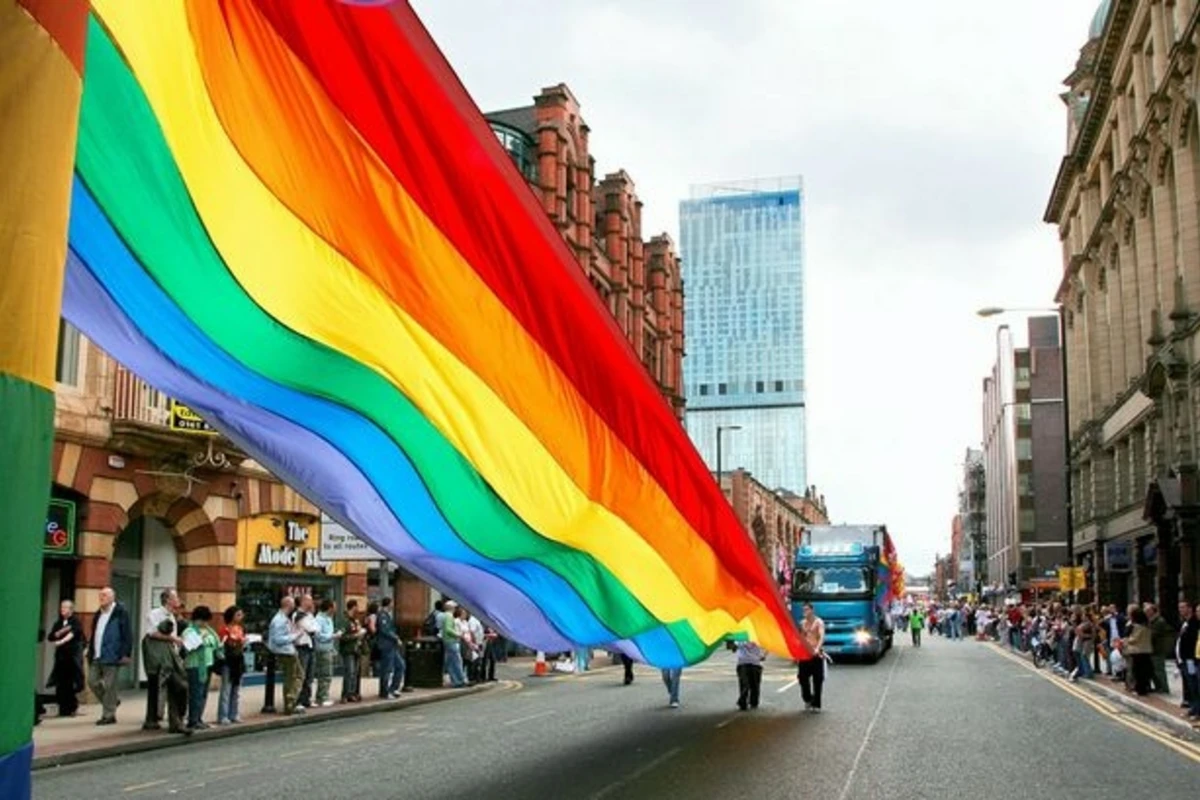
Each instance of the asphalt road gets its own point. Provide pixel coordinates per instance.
(950, 720)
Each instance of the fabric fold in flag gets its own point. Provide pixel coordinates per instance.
(356, 336)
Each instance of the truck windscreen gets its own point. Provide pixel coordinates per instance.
(831, 580)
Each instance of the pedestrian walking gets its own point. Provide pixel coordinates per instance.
(66, 635)
(749, 672)
(232, 637)
(916, 622)
(201, 642)
(111, 648)
(627, 662)
(324, 648)
(281, 640)
(811, 672)
(671, 679)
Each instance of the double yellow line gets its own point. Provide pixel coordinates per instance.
(1185, 749)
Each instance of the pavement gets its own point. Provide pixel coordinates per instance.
(68, 740)
(948, 720)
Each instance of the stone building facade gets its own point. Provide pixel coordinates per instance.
(601, 221)
(144, 497)
(1126, 205)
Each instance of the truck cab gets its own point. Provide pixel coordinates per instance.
(836, 569)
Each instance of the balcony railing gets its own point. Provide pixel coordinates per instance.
(135, 400)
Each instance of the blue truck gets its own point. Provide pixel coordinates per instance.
(837, 569)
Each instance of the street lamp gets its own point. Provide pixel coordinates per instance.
(721, 429)
(1061, 311)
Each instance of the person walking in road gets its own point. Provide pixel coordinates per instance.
(811, 672)
(916, 623)
(232, 637)
(111, 648)
(281, 640)
(671, 679)
(67, 676)
(749, 671)
(627, 662)
(201, 643)
(159, 643)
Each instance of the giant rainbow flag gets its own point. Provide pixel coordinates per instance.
(292, 217)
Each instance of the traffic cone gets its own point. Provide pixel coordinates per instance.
(539, 666)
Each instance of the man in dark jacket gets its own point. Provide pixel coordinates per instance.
(1185, 656)
(110, 648)
(1162, 637)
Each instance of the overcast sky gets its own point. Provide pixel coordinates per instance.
(928, 133)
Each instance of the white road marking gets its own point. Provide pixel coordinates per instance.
(295, 753)
(228, 767)
(870, 729)
(637, 773)
(137, 787)
(787, 686)
(531, 717)
(723, 723)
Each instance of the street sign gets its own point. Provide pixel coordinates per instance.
(1072, 579)
(1118, 556)
(60, 528)
(339, 544)
(185, 420)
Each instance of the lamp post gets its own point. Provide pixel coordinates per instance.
(721, 429)
(1061, 311)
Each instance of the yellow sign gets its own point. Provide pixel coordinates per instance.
(288, 543)
(1072, 579)
(188, 421)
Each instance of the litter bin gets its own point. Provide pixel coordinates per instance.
(423, 662)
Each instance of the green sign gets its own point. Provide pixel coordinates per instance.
(60, 528)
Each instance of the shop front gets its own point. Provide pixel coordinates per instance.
(278, 555)
(58, 571)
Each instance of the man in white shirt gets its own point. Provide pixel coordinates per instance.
(307, 624)
(160, 648)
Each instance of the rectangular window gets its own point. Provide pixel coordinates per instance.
(721, 388)
(1028, 521)
(67, 367)
(758, 387)
(1024, 449)
(1024, 412)
(1025, 484)
(779, 386)
(703, 388)
(1021, 377)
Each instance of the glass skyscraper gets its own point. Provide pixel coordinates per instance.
(743, 269)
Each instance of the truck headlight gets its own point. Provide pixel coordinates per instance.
(862, 637)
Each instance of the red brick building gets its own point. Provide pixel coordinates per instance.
(601, 220)
(773, 519)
